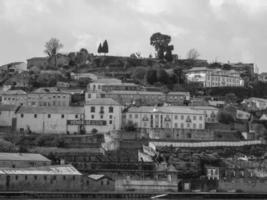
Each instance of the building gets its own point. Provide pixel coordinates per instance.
(50, 96)
(14, 97)
(100, 182)
(97, 84)
(209, 111)
(212, 172)
(15, 67)
(103, 115)
(254, 104)
(214, 77)
(50, 120)
(246, 69)
(46, 178)
(7, 115)
(166, 117)
(78, 76)
(21, 160)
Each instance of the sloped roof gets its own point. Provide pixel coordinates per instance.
(14, 92)
(102, 101)
(51, 109)
(46, 170)
(22, 157)
(97, 177)
(165, 109)
(8, 107)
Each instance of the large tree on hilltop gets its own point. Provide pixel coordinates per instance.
(100, 48)
(161, 44)
(52, 48)
(105, 47)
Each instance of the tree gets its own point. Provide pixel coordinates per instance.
(162, 76)
(100, 48)
(168, 55)
(139, 73)
(151, 76)
(225, 117)
(105, 47)
(52, 47)
(161, 44)
(192, 54)
(230, 98)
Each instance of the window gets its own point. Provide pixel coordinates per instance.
(49, 115)
(175, 125)
(62, 116)
(101, 109)
(45, 178)
(16, 177)
(110, 109)
(188, 125)
(200, 126)
(92, 109)
(73, 178)
(110, 121)
(76, 116)
(182, 117)
(194, 117)
(21, 115)
(194, 126)
(92, 116)
(130, 116)
(136, 116)
(26, 177)
(35, 115)
(175, 117)
(182, 125)
(200, 117)
(35, 177)
(101, 116)
(110, 116)
(88, 96)
(64, 177)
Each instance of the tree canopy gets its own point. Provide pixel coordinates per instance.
(52, 47)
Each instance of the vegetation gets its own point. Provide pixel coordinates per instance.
(52, 47)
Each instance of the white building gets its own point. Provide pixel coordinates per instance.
(214, 77)
(103, 115)
(7, 115)
(51, 120)
(14, 97)
(99, 83)
(167, 117)
(209, 111)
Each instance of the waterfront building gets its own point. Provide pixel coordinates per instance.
(7, 115)
(21, 160)
(14, 97)
(102, 115)
(100, 182)
(166, 117)
(45, 178)
(214, 77)
(50, 96)
(52, 120)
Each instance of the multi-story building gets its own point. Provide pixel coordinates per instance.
(49, 97)
(214, 77)
(166, 117)
(209, 111)
(103, 115)
(99, 83)
(14, 97)
(128, 97)
(51, 120)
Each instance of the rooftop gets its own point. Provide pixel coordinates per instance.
(108, 80)
(49, 170)
(52, 109)
(136, 92)
(14, 92)
(166, 109)
(22, 157)
(102, 101)
(48, 90)
(8, 107)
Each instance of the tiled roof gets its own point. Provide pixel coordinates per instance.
(22, 157)
(8, 107)
(17, 92)
(47, 170)
(165, 109)
(102, 101)
(51, 109)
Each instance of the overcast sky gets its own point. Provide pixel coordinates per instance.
(221, 30)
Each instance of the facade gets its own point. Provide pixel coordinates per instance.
(99, 83)
(100, 182)
(103, 115)
(50, 120)
(254, 104)
(214, 77)
(166, 117)
(21, 160)
(209, 111)
(14, 97)
(47, 178)
(7, 115)
(49, 97)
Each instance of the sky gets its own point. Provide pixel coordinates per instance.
(220, 30)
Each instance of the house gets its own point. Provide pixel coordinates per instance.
(100, 182)
(7, 115)
(103, 115)
(14, 97)
(21, 160)
(50, 120)
(214, 77)
(15, 67)
(49, 96)
(45, 178)
(212, 172)
(165, 117)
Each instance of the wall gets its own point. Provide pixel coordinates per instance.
(6, 118)
(42, 124)
(23, 163)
